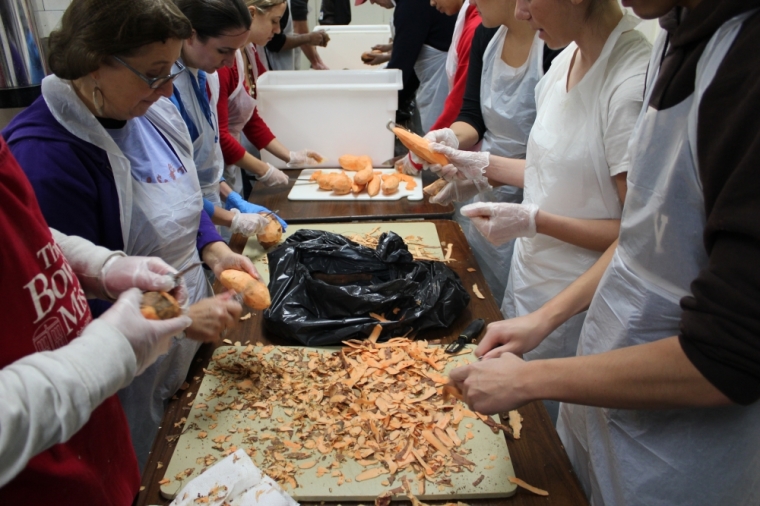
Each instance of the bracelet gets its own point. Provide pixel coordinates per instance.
(417, 166)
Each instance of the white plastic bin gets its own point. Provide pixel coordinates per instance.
(348, 42)
(334, 112)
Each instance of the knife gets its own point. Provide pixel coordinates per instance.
(184, 271)
(468, 336)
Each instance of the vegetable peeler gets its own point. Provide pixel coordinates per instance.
(468, 336)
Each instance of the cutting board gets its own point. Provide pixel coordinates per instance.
(303, 189)
(489, 451)
(426, 231)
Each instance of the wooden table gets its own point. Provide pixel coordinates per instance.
(321, 211)
(538, 456)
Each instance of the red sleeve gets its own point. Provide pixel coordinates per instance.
(231, 148)
(256, 130)
(454, 99)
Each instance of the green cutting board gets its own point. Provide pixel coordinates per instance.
(488, 451)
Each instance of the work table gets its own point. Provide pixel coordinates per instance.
(538, 456)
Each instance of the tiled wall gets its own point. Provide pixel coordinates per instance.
(48, 14)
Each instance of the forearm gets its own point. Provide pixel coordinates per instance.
(655, 375)
(506, 170)
(596, 235)
(86, 260)
(213, 253)
(222, 217)
(47, 397)
(466, 134)
(279, 150)
(302, 28)
(294, 40)
(250, 163)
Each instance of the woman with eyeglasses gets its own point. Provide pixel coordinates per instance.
(237, 104)
(220, 28)
(110, 160)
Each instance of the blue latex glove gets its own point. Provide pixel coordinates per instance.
(234, 200)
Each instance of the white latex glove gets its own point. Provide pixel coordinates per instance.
(410, 164)
(305, 158)
(146, 273)
(458, 190)
(501, 222)
(149, 338)
(445, 136)
(274, 177)
(463, 164)
(248, 224)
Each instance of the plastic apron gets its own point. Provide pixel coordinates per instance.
(452, 57)
(508, 106)
(661, 457)
(566, 173)
(156, 220)
(207, 152)
(430, 68)
(240, 107)
(285, 59)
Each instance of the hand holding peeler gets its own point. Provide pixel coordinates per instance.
(468, 336)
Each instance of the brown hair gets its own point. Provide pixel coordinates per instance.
(264, 5)
(93, 30)
(214, 18)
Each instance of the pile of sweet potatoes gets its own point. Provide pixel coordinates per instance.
(363, 178)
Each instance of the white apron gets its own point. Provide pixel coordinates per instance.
(207, 152)
(693, 456)
(286, 59)
(508, 106)
(156, 220)
(452, 57)
(430, 68)
(240, 107)
(566, 173)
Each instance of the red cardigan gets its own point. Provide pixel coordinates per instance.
(255, 130)
(456, 95)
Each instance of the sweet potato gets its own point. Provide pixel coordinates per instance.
(357, 188)
(373, 187)
(435, 187)
(363, 176)
(272, 234)
(324, 181)
(355, 163)
(255, 293)
(341, 185)
(159, 306)
(419, 146)
(390, 185)
(411, 184)
(316, 175)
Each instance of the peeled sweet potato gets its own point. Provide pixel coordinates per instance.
(316, 175)
(411, 184)
(363, 176)
(272, 234)
(419, 146)
(436, 186)
(357, 188)
(341, 185)
(390, 185)
(255, 293)
(159, 306)
(355, 163)
(373, 187)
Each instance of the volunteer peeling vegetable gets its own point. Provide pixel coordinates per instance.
(110, 160)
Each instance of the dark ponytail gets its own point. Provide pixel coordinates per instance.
(214, 18)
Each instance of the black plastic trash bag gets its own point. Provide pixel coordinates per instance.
(323, 287)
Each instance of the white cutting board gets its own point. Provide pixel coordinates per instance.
(489, 451)
(303, 189)
(426, 231)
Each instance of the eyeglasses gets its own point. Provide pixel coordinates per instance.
(153, 82)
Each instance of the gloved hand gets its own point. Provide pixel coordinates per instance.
(274, 177)
(445, 136)
(305, 158)
(149, 338)
(235, 201)
(410, 164)
(235, 261)
(463, 164)
(248, 224)
(119, 274)
(501, 222)
(458, 190)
